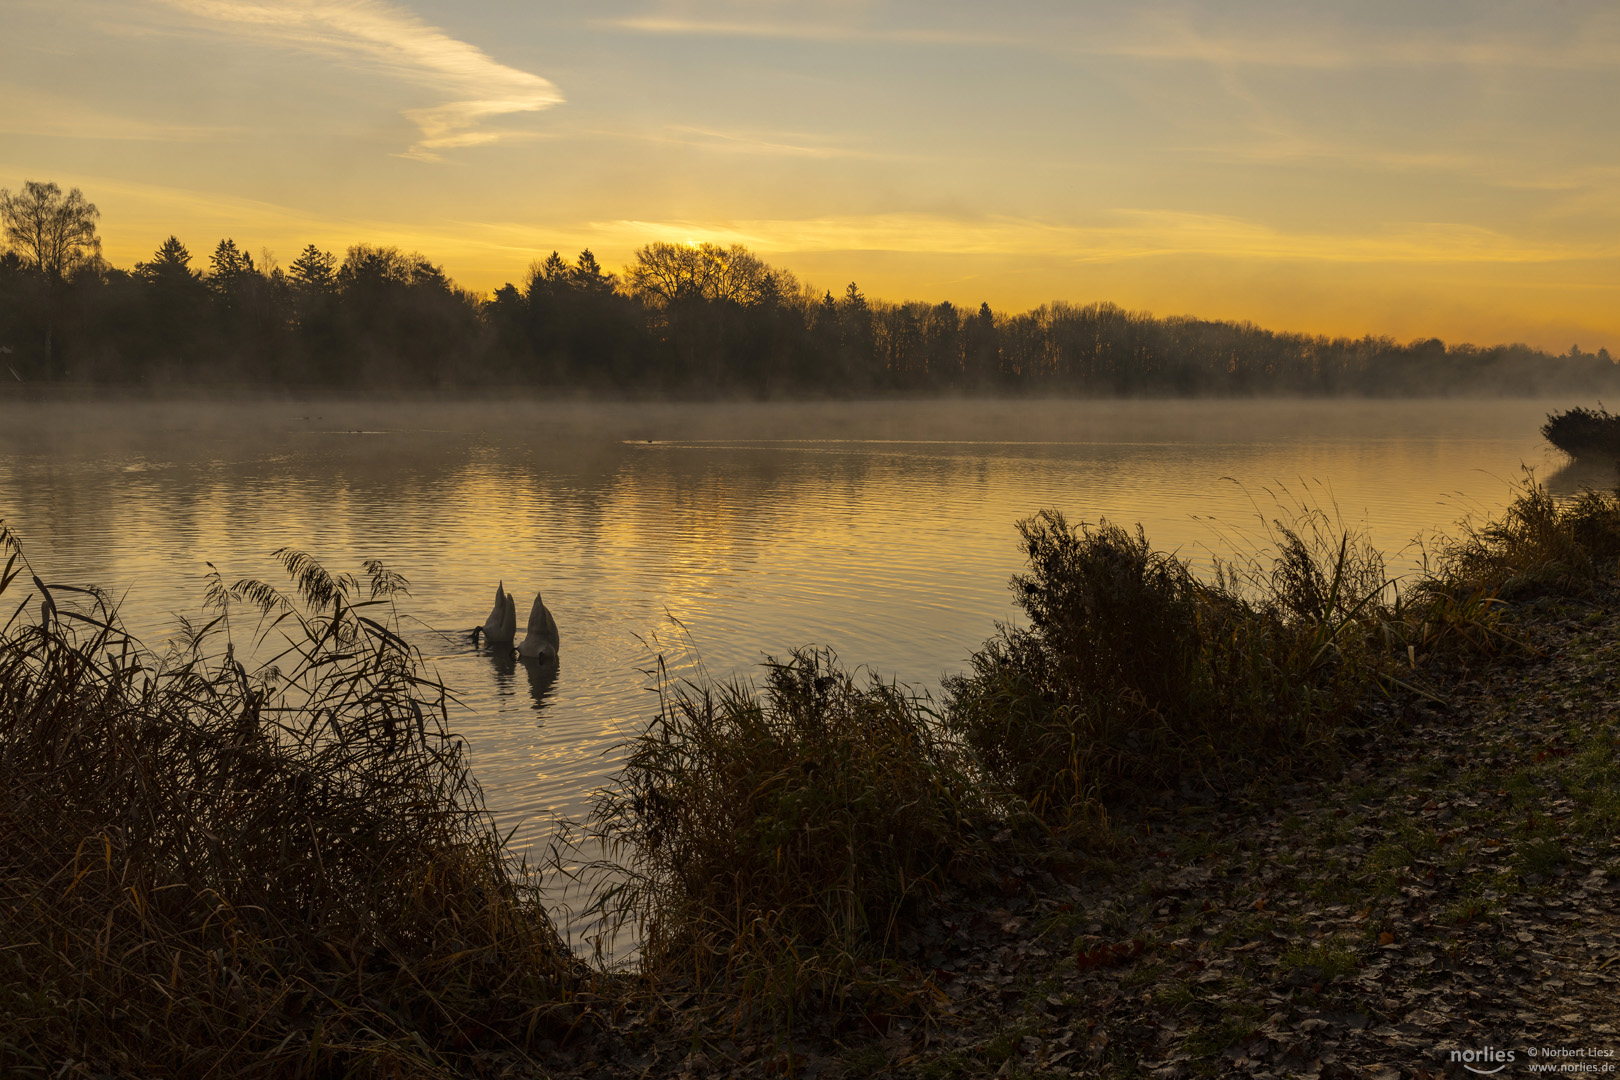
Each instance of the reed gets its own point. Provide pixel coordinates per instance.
(1540, 545)
(1133, 675)
(770, 846)
(211, 872)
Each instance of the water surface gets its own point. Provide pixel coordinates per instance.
(884, 530)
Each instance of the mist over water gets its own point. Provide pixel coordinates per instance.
(882, 529)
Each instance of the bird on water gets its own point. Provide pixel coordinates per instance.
(501, 626)
(540, 642)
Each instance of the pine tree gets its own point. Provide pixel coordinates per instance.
(555, 270)
(228, 268)
(314, 272)
(587, 274)
(171, 262)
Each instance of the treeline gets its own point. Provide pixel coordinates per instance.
(686, 320)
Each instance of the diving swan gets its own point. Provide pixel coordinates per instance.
(541, 641)
(501, 626)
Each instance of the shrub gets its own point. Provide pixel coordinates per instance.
(1539, 545)
(772, 843)
(1584, 432)
(1134, 674)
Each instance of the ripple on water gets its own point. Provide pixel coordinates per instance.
(882, 530)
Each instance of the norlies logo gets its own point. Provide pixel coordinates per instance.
(1488, 1056)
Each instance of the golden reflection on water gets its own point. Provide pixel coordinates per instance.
(882, 529)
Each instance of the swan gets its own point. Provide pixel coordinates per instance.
(501, 626)
(541, 641)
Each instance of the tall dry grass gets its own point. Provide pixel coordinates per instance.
(770, 846)
(1134, 675)
(289, 872)
(1539, 545)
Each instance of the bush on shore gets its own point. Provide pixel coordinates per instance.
(1134, 675)
(211, 872)
(1582, 432)
(1539, 545)
(775, 843)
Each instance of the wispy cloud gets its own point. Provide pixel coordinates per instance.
(804, 31)
(396, 40)
(769, 145)
(1506, 166)
(32, 112)
(1131, 234)
(1171, 36)
(1328, 47)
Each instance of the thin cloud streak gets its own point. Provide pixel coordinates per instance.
(1137, 234)
(1134, 235)
(656, 24)
(740, 143)
(1174, 40)
(397, 40)
(35, 114)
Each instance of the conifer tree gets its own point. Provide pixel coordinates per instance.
(170, 263)
(314, 272)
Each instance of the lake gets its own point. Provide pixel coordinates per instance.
(714, 533)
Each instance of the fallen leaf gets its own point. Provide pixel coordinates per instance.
(1109, 955)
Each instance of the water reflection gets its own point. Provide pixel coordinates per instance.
(1572, 476)
(883, 530)
(539, 675)
(542, 675)
(503, 667)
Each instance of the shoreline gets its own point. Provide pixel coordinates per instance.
(1400, 912)
(1424, 868)
(273, 393)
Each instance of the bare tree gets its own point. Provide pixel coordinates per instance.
(54, 233)
(669, 273)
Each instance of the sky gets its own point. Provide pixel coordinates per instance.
(1424, 168)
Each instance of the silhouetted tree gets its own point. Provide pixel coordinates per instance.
(230, 273)
(981, 350)
(687, 319)
(554, 273)
(674, 273)
(170, 263)
(588, 276)
(53, 233)
(55, 237)
(314, 273)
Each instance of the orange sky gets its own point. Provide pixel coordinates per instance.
(1400, 169)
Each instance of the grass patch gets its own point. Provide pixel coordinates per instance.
(1208, 1043)
(1540, 857)
(1467, 910)
(1333, 959)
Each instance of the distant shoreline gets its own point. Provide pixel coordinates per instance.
(246, 392)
